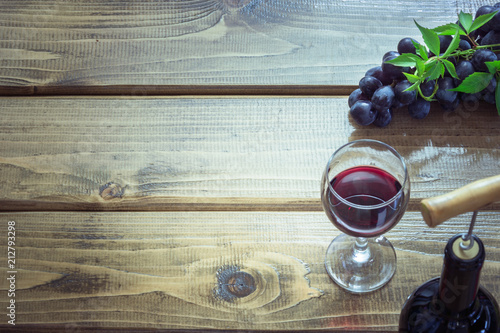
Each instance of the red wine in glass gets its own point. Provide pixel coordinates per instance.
(365, 189)
(366, 201)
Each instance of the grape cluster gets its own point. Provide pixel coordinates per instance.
(383, 89)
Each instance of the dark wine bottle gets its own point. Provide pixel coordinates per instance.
(454, 302)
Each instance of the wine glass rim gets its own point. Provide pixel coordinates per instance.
(383, 204)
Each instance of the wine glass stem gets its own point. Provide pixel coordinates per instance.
(361, 251)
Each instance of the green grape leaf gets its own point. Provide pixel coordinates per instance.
(430, 63)
(450, 67)
(442, 69)
(431, 38)
(497, 96)
(420, 68)
(493, 66)
(405, 60)
(435, 71)
(449, 29)
(465, 20)
(481, 20)
(453, 45)
(474, 83)
(414, 86)
(421, 50)
(412, 78)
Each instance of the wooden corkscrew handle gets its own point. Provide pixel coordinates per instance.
(469, 198)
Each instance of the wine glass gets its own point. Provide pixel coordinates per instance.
(365, 189)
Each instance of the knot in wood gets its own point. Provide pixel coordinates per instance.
(241, 284)
(111, 190)
(233, 283)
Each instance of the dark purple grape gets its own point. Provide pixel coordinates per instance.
(492, 38)
(383, 98)
(368, 85)
(390, 54)
(427, 87)
(397, 104)
(483, 10)
(494, 23)
(480, 57)
(404, 97)
(464, 69)
(419, 109)
(445, 83)
(363, 113)
(383, 118)
(443, 95)
(464, 45)
(471, 101)
(445, 41)
(489, 98)
(405, 45)
(373, 70)
(452, 106)
(491, 86)
(378, 73)
(470, 98)
(393, 71)
(355, 96)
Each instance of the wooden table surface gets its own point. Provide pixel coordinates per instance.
(153, 150)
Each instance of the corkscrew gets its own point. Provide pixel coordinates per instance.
(455, 301)
(467, 241)
(469, 198)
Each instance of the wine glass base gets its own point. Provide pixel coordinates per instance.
(363, 267)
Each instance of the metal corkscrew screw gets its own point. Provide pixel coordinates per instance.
(467, 241)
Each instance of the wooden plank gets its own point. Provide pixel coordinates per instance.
(167, 270)
(204, 42)
(179, 90)
(149, 153)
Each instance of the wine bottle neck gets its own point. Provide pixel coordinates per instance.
(459, 281)
(457, 292)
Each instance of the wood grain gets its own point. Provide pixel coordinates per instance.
(204, 42)
(114, 153)
(200, 212)
(179, 90)
(166, 270)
